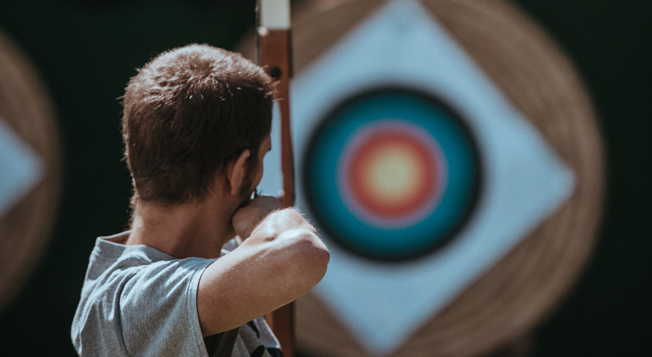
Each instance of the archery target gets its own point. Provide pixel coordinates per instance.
(30, 169)
(391, 174)
(531, 224)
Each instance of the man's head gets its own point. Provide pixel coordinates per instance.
(187, 113)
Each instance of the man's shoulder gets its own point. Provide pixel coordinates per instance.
(128, 277)
(116, 266)
(110, 258)
(129, 290)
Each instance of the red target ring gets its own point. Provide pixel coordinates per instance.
(392, 174)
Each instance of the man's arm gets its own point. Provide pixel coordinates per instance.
(281, 261)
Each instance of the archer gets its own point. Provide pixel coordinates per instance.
(196, 127)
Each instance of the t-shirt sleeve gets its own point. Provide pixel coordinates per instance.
(158, 306)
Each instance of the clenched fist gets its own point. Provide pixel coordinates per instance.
(247, 217)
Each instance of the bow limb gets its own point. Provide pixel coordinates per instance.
(275, 55)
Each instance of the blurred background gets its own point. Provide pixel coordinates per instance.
(86, 50)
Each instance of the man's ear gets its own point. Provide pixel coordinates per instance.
(235, 172)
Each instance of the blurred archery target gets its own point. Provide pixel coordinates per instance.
(30, 166)
(391, 174)
(531, 226)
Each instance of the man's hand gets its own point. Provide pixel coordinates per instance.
(282, 259)
(247, 217)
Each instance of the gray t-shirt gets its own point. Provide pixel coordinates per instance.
(139, 301)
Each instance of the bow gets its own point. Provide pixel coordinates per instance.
(275, 55)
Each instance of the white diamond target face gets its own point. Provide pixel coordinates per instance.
(417, 172)
(20, 168)
(391, 174)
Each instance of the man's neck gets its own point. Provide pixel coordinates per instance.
(197, 229)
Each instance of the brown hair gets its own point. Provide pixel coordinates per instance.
(186, 114)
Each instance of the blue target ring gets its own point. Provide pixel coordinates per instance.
(391, 174)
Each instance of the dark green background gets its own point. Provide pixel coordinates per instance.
(87, 50)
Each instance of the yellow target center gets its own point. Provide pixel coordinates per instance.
(393, 174)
